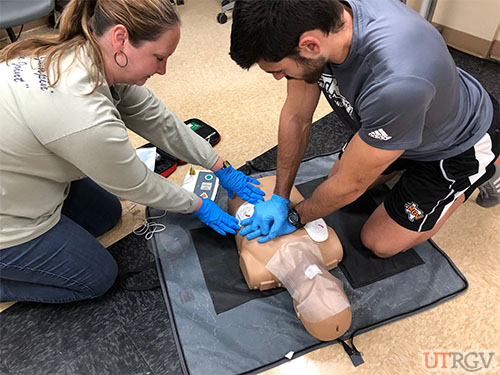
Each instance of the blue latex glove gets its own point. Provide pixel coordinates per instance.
(237, 182)
(216, 218)
(269, 220)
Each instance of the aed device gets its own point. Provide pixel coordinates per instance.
(203, 183)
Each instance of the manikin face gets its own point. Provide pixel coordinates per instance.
(148, 58)
(305, 69)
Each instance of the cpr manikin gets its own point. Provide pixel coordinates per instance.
(299, 262)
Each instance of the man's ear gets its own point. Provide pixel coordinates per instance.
(310, 43)
(119, 37)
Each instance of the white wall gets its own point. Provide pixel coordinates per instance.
(476, 17)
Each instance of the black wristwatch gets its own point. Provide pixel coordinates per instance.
(294, 218)
(225, 164)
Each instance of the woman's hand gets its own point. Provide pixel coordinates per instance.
(216, 218)
(236, 182)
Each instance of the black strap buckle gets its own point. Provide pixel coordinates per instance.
(353, 353)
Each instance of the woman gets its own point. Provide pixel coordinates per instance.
(65, 154)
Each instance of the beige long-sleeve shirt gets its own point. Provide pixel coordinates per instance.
(52, 136)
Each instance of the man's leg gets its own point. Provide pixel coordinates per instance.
(385, 238)
(426, 195)
(489, 192)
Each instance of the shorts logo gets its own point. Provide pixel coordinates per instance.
(414, 213)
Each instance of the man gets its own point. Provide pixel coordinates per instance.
(388, 74)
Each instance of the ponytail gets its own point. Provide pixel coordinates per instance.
(74, 20)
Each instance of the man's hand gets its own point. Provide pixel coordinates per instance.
(214, 217)
(269, 220)
(237, 182)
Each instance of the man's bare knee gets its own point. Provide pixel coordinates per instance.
(378, 247)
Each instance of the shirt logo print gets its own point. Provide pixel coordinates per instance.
(380, 134)
(329, 84)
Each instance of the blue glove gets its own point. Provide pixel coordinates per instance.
(269, 220)
(214, 217)
(237, 182)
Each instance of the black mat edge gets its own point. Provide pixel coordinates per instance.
(168, 304)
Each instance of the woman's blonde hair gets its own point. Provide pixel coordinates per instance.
(84, 20)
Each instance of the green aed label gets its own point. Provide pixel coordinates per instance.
(194, 125)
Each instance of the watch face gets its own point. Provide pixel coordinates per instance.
(293, 218)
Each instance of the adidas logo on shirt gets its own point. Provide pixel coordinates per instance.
(380, 134)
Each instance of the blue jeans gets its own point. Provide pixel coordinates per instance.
(66, 263)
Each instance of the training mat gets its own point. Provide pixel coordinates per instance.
(253, 333)
(220, 265)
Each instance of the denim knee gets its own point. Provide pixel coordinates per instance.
(93, 208)
(104, 279)
(115, 212)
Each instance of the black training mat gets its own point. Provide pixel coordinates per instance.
(359, 265)
(220, 265)
(223, 328)
(219, 258)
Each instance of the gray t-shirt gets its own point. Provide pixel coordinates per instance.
(400, 88)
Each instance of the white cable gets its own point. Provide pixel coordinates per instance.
(149, 228)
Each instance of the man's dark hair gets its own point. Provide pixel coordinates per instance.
(270, 30)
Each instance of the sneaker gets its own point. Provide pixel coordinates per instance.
(489, 192)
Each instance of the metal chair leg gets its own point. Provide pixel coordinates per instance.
(11, 34)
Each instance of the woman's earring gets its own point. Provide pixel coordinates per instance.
(126, 60)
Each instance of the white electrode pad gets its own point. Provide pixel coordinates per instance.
(245, 211)
(317, 230)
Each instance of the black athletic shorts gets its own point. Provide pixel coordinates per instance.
(427, 189)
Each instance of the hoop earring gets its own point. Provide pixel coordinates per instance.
(126, 60)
